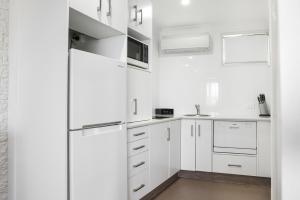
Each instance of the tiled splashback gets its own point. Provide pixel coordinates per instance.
(186, 80)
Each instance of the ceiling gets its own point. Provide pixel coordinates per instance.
(172, 13)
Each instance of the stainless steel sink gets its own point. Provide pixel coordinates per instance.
(195, 115)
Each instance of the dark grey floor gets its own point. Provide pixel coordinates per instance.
(188, 189)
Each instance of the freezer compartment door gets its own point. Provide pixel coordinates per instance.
(97, 89)
(98, 164)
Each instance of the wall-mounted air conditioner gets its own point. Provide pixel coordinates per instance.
(185, 43)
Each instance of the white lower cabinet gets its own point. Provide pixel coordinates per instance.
(234, 164)
(264, 149)
(196, 145)
(158, 151)
(164, 151)
(154, 156)
(159, 154)
(175, 147)
(138, 162)
(138, 186)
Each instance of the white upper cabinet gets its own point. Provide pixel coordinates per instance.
(90, 8)
(139, 95)
(118, 15)
(196, 145)
(140, 18)
(109, 12)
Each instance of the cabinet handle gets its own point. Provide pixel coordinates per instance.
(192, 130)
(135, 106)
(139, 134)
(232, 165)
(169, 135)
(139, 188)
(140, 147)
(199, 130)
(141, 11)
(109, 9)
(138, 165)
(135, 13)
(99, 8)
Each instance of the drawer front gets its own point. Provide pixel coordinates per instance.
(138, 163)
(235, 134)
(137, 147)
(137, 134)
(234, 164)
(138, 186)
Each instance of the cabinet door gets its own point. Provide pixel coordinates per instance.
(96, 9)
(264, 149)
(188, 145)
(98, 163)
(139, 95)
(118, 15)
(159, 154)
(204, 145)
(140, 17)
(174, 139)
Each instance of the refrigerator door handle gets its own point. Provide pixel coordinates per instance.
(91, 126)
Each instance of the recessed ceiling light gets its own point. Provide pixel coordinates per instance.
(185, 2)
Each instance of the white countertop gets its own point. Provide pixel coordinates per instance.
(213, 117)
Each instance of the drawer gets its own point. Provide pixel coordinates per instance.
(137, 147)
(137, 134)
(234, 164)
(232, 134)
(138, 186)
(138, 163)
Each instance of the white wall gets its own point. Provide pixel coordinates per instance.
(276, 146)
(289, 101)
(3, 96)
(183, 79)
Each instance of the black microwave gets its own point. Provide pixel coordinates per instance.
(138, 53)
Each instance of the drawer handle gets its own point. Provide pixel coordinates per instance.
(138, 165)
(139, 188)
(140, 147)
(231, 165)
(139, 134)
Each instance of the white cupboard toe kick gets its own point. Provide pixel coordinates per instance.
(235, 164)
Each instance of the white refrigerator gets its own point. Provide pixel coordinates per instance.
(97, 130)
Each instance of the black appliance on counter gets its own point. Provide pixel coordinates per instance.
(162, 113)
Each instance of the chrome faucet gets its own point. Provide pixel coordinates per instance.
(198, 108)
